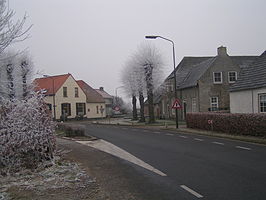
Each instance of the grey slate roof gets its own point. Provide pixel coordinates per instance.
(253, 76)
(190, 69)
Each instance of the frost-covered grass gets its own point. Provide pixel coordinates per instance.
(26, 135)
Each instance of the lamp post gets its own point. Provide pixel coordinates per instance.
(155, 37)
(46, 76)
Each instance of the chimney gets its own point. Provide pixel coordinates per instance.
(221, 51)
(101, 88)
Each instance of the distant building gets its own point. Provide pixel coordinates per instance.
(202, 84)
(66, 97)
(248, 94)
(108, 100)
(95, 103)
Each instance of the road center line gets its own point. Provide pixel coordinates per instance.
(219, 143)
(198, 139)
(245, 148)
(169, 134)
(182, 136)
(191, 191)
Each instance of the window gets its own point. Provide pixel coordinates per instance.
(262, 103)
(64, 91)
(194, 105)
(232, 77)
(80, 109)
(76, 92)
(97, 109)
(217, 77)
(214, 103)
(66, 109)
(49, 106)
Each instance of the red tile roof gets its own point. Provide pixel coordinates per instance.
(51, 84)
(104, 94)
(92, 95)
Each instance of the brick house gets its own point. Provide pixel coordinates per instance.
(248, 94)
(203, 83)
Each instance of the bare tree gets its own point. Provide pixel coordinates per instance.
(10, 32)
(150, 63)
(130, 86)
(142, 74)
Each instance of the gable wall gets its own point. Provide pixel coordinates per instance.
(208, 89)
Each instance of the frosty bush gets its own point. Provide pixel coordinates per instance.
(26, 134)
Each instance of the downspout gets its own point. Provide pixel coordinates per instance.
(252, 102)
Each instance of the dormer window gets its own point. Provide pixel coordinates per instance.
(232, 77)
(217, 77)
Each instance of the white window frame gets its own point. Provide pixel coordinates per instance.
(264, 106)
(217, 82)
(216, 103)
(229, 76)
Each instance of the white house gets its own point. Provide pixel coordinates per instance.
(248, 94)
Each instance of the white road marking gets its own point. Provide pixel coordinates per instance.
(198, 139)
(156, 132)
(182, 136)
(170, 134)
(245, 148)
(219, 143)
(191, 191)
(108, 147)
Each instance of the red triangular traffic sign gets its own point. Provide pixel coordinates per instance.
(176, 104)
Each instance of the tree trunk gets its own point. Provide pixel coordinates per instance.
(134, 103)
(141, 102)
(149, 83)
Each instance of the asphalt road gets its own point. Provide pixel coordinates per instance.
(198, 166)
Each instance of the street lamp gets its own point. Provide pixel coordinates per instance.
(47, 76)
(155, 37)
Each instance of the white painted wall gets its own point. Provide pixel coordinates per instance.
(92, 110)
(245, 101)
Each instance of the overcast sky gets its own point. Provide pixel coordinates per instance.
(92, 39)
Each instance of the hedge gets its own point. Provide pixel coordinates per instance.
(235, 124)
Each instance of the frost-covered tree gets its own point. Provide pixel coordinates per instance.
(129, 85)
(16, 71)
(10, 32)
(26, 134)
(141, 75)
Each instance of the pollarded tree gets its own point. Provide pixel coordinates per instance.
(16, 72)
(150, 63)
(129, 82)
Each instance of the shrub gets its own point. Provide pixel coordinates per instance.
(26, 134)
(71, 130)
(236, 124)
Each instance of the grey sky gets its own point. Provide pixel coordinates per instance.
(92, 39)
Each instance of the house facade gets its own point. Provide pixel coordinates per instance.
(108, 100)
(248, 94)
(203, 83)
(68, 98)
(63, 96)
(95, 103)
